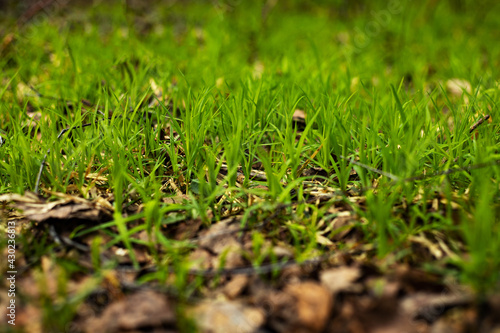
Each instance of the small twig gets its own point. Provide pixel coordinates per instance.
(252, 270)
(471, 129)
(33, 10)
(308, 160)
(54, 235)
(369, 168)
(68, 102)
(69, 242)
(65, 241)
(397, 179)
(39, 94)
(478, 123)
(452, 170)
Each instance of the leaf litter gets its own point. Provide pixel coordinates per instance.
(243, 288)
(341, 292)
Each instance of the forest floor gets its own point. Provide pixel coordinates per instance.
(270, 166)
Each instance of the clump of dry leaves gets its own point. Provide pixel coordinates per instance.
(344, 290)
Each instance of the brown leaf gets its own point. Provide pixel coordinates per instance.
(200, 259)
(301, 307)
(429, 307)
(459, 321)
(299, 119)
(234, 287)
(310, 172)
(369, 313)
(68, 207)
(342, 225)
(227, 316)
(187, 229)
(412, 279)
(299, 115)
(176, 199)
(221, 240)
(340, 279)
(138, 312)
(433, 248)
(30, 319)
(314, 304)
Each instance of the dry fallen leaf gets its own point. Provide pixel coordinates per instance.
(187, 229)
(299, 115)
(30, 318)
(314, 304)
(433, 248)
(301, 307)
(234, 287)
(428, 307)
(412, 279)
(143, 310)
(221, 240)
(340, 279)
(299, 119)
(68, 207)
(226, 316)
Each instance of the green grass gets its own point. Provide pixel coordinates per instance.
(232, 79)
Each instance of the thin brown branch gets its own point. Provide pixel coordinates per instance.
(478, 123)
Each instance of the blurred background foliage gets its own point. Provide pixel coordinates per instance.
(350, 42)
